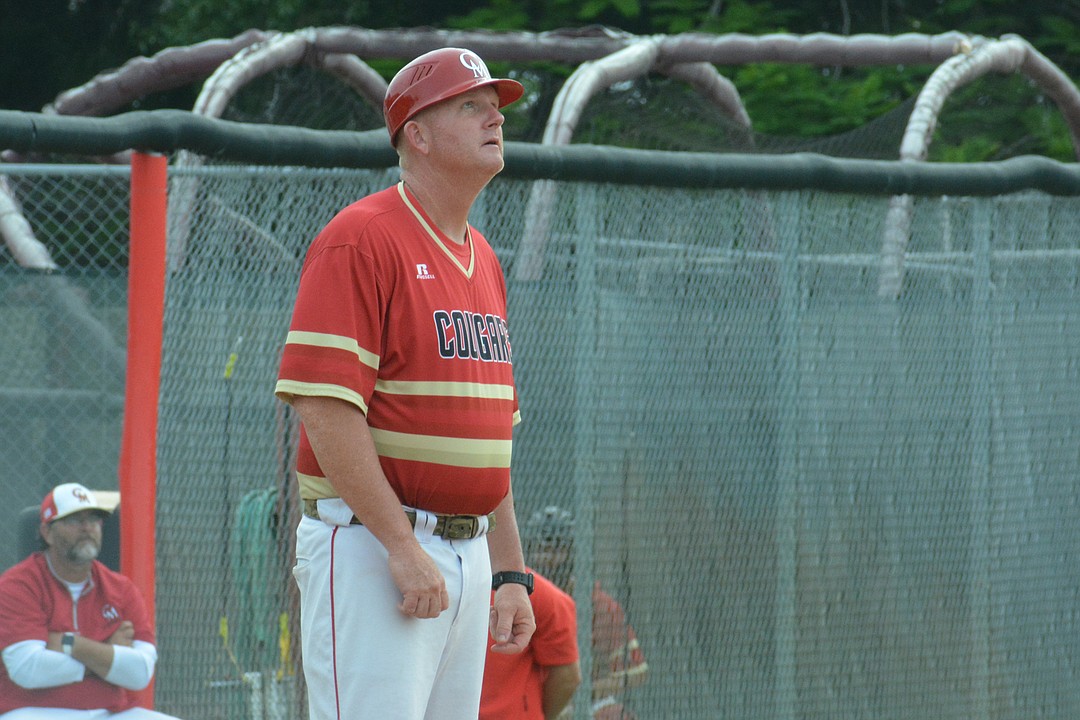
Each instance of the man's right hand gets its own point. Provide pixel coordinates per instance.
(340, 436)
(422, 586)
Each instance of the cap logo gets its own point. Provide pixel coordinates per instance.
(472, 62)
(80, 495)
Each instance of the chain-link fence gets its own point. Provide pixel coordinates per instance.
(62, 338)
(809, 500)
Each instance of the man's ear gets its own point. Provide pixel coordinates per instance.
(414, 134)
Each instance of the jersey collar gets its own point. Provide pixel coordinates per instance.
(437, 237)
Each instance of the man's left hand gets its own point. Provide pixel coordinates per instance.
(512, 622)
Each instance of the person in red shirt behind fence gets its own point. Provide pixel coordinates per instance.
(539, 684)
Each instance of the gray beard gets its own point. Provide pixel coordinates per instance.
(84, 552)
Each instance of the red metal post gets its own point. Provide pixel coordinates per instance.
(146, 309)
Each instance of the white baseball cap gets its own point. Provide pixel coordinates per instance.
(63, 500)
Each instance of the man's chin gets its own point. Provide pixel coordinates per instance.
(85, 552)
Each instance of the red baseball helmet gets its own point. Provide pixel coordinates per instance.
(436, 76)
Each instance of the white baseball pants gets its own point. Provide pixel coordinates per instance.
(363, 659)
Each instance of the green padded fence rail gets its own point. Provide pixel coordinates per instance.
(166, 131)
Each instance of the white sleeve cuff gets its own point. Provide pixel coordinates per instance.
(132, 667)
(32, 667)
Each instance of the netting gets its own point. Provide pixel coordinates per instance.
(809, 501)
(306, 97)
(660, 113)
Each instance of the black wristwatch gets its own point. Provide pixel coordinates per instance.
(67, 643)
(510, 576)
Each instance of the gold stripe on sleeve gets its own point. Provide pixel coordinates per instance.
(288, 389)
(337, 342)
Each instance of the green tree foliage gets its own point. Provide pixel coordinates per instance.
(52, 45)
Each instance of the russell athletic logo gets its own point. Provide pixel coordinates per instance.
(422, 272)
(472, 336)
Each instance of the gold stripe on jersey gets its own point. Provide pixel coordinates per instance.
(435, 236)
(288, 389)
(313, 487)
(335, 342)
(454, 451)
(445, 389)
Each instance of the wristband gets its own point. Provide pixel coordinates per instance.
(509, 576)
(67, 643)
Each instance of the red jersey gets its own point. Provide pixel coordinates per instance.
(616, 651)
(514, 684)
(611, 709)
(411, 328)
(34, 602)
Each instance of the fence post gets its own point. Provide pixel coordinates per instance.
(138, 443)
(588, 234)
(982, 398)
(789, 468)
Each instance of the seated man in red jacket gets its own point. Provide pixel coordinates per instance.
(74, 635)
(537, 683)
(550, 668)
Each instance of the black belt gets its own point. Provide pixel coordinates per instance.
(451, 527)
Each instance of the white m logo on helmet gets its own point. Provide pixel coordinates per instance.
(479, 69)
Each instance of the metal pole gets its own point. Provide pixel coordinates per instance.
(138, 445)
(981, 427)
(585, 310)
(788, 469)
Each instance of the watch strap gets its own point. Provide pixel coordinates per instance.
(512, 576)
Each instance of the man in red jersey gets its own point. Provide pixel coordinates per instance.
(618, 662)
(399, 364)
(75, 635)
(536, 684)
